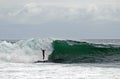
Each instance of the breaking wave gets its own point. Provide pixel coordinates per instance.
(60, 51)
(68, 51)
(24, 51)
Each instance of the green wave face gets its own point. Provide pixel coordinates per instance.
(68, 51)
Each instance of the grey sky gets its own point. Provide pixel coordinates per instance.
(23, 19)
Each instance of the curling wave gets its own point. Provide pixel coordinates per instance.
(68, 51)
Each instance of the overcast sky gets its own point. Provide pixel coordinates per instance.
(80, 19)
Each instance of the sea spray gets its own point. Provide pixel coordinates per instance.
(24, 51)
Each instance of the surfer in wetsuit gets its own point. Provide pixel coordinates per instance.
(43, 53)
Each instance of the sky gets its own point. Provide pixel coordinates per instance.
(79, 19)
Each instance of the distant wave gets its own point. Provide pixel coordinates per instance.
(68, 51)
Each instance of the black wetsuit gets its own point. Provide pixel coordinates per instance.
(43, 53)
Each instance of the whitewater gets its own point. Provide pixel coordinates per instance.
(17, 59)
(24, 51)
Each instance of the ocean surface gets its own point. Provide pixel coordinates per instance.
(66, 59)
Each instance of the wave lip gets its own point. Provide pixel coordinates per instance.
(68, 51)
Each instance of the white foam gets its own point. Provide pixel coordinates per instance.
(59, 71)
(24, 50)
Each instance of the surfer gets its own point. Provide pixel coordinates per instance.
(43, 53)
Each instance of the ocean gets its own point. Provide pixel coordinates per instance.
(66, 59)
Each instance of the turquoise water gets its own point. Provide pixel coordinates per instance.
(69, 51)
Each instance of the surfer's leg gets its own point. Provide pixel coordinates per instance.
(43, 56)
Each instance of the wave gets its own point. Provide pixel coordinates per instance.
(60, 51)
(68, 51)
(24, 51)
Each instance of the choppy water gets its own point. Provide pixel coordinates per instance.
(59, 71)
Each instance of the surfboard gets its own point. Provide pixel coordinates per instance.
(40, 61)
